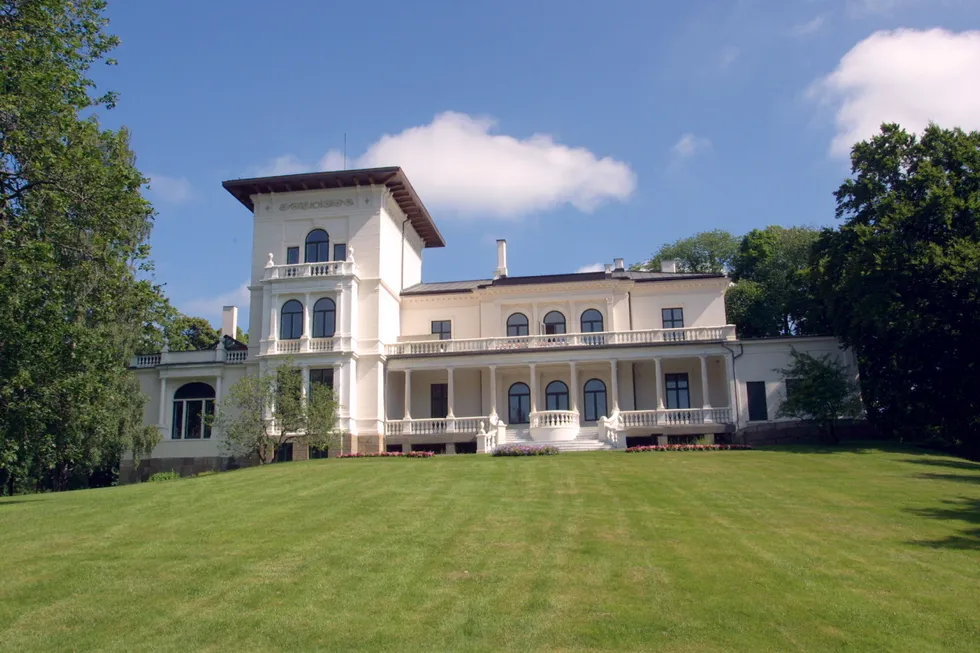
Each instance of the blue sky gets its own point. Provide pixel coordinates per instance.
(596, 129)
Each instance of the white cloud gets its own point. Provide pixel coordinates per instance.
(689, 144)
(457, 163)
(174, 190)
(812, 26)
(592, 267)
(906, 76)
(210, 307)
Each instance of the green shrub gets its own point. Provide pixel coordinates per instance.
(164, 476)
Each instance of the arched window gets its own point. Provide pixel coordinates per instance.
(193, 405)
(324, 318)
(556, 396)
(317, 246)
(517, 325)
(519, 404)
(591, 321)
(291, 321)
(554, 323)
(595, 400)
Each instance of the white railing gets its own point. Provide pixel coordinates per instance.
(322, 344)
(300, 270)
(436, 426)
(551, 418)
(632, 419)
(607, 338)
(307, 345)
(608, 431)
(219, 355)
(287, 346)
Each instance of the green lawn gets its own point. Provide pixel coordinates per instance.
(778, 550)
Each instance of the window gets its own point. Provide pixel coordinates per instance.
(678, 391)
(317, 246)
(322, 377)
(519, 404)
(291, 324)
(556, 396)
(554, 323)
(591, 321)
(673, 318)
(439, 400)
(758, 410)
(340, 252)
(595, 400)
(324, 318)
(284, 453)
(317, 453)
(292, 255)
(442, 328)
(193, 406)
(517, 325)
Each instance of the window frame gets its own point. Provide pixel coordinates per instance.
(682, 389)
(520, 396)
(337, 246)
(550, 328)
(673, 317)
(592, 321)
(180, 425)
(448, 333)
(324, 244)
(292, 255)
(753, 410)
(590, 400)
(438, 400)
(292, 319)
(559, 396)
(324, 311)
(325, 376)
(526, 326)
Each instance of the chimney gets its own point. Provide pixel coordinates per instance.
(670, 265)
(619, 264)
(501, 259)
(229, 321)
(608, 268)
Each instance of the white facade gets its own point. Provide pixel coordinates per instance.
(603, 357)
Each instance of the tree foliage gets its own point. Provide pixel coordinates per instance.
(900, 280)
(820, 390)
(74, 298)
(704, 252)
(772, 294)
(186, 333)
(263, 412)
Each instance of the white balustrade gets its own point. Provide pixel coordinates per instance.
(323, 344)
(147, 360)
(435, 426)
(236, 356)
(601, 339)
(551, 418)
(287, 346)
(300, 270)
(633, 419)
(217, 355)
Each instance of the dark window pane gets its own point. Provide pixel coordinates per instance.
(317, 246)
(317, 453)
(517, 325)
(196, 390)
(292, 321)
(322, 377)
(678, 391)
(439, 400)
(208, 413)
(519, 404)
(193, 427)
(292, 255)
(442, 328)
(591, 321)
(595, 400)
(324, 318)
(758, 410)
(554, 323)
(556, 396)
(673, 318)
(285, 453)
(340, 252)
(178, 423)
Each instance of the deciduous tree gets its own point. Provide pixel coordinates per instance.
(704, 252)
(820, 390)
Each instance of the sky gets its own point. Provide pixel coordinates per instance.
(580, 132)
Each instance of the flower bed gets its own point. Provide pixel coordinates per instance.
(525, 450)
(689, 447)
(390, 454)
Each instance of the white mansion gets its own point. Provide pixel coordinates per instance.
(590, 360)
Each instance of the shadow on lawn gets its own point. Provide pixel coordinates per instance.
(964, 510)
(945, 462)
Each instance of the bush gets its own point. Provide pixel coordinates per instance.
(689, 447)
(164, 476)
(525, 450)
(390, 454)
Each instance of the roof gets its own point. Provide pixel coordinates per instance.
(448, 287)
(393, 178)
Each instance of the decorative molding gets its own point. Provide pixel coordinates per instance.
(315, 204)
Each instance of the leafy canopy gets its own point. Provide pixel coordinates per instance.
(704, 252)
(819, 390)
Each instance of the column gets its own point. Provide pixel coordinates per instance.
(658, 385)
(217, 401)
(163, 401)
(408, 395)
(610, 314)
(304, 344)
(705, 403)
(573, 394)
(615, 387)
(305, 388)
(534, 388)
(730, 389)
(452, 395)
(493, 391)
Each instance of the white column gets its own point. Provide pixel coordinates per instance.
(493, 390)
(706, 404)
(217, 389)
(274, 318)
(452, 395)
(266, 303)
(573, 380)
(615, 386)
(408, 395)
(658, 385)
(730, 388)
(163, 401)
(350, 385)
(305, 389)
(610, 321)
(534, 388)
(307, 324)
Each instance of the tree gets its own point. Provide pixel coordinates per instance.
(820, 391)
(74, 289)
(772, 295)
(263, 412)
(704, 252)
(241, 336)
(190, 333)
(900, 281)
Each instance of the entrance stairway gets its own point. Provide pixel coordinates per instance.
(587, 440)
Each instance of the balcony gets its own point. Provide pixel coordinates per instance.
(219, 355)
(307, 346)
(436, 426)
(601, 339)
(554, 425)
(648, 419)
(302, 270)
